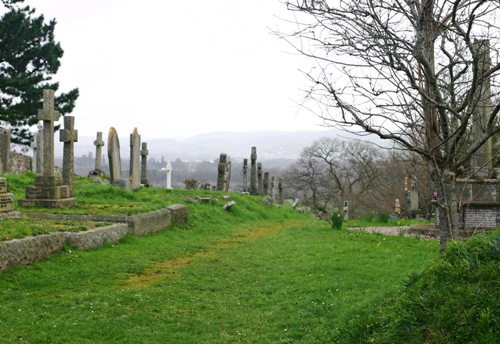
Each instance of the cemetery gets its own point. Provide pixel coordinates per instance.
(387, 231)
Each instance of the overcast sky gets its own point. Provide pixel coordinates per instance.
(178, 68)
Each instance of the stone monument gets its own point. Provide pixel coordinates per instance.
(227, 176)
(221, 172)
(168, 168)
(4, 150)
(280, 191)
(260, 187)
(253, 171)
(6, 198)
(69, 136)
(144, 164)
(48, 192)
(98, 143)
(135, 156)
(115, 164)
(245, 175)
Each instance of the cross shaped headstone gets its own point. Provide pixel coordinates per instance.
(68, 135)
(144, 164)
(48, 115)
(98, 143)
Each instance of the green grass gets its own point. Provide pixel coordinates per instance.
(253, 274)
(455, 300)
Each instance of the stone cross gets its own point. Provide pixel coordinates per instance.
(273, 189)
(253, 171)
(98, 143)
(69, 136)
(265, 187)
(227, 176)
(135, 167)
(346, 210)
(221, 172)
(4, 150)
(280, 190)
(260, 189)
(48, 115)
(115, 165)
(144, 164)
(245, 175)
(168, 168)
(34, 147)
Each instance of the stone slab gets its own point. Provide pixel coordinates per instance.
(47, 203)
(153, 221)
(6, 202)
(179, 213)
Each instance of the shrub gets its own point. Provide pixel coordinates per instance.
(337, 219)
(191, 184)
(383, 217)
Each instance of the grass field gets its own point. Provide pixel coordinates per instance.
(253, 274)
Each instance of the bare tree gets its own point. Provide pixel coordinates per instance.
(409, 71)
(331, 171)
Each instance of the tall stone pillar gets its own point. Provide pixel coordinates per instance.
(253, 171)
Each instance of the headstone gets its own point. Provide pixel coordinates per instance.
(265, 184)
(144, 164)
(280, 191)
(253, 171)
(260, 188)
(69, 136)
(273, 189)
(34, 147)
(135, 153)
(6, 198)
(482, 159)
(397, 207)
(346, 210)
(48, 192)
(221, 172)
(245, 175)
(168, 168)
(98, 143)
(39, 156)
(227, 176)
(115, 165)
(4, 150)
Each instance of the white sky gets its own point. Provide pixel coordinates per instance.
(178, 68)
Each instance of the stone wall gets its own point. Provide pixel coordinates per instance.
(31, 249)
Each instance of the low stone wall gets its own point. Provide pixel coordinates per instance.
(31, 249)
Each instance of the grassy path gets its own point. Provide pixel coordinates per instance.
(270, 282)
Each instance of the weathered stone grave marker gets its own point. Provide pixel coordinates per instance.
(6, 198)
(4, 150)
(98, 143)
(280, 191)
(253, 171)
(245, 175)
(221, 172)
(69, 136)
(260, 187)
(168, 168)
(144, 164)
(135, 167)
(48, 191)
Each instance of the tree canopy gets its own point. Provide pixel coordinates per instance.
(29, 58)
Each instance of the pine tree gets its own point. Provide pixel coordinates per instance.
(29, 57)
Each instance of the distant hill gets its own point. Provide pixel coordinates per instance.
(271, 145)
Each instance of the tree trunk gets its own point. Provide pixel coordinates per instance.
(448, 210)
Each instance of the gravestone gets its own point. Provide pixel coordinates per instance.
(69, 136)
(245, 175)
(6, 198)
(34, 147)
(168, 168)
(221, 172)
(280, 191)
(4, 150)
(260, 188)
(253, 171)
(39, 155)
(48, 191)
(227, 176)
(144, 164)
(98, 143)
(265, 187)
(273, 189)
(135, 156)
(346, 210)
(115, 164)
